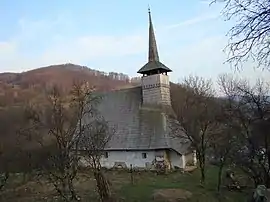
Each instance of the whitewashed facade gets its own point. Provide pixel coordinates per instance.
(143, 159)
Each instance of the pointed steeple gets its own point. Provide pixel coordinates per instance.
(152, 52)
(153, 66)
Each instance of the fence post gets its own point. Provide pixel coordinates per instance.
(131, 174)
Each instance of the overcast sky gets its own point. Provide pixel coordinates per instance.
(112, 36)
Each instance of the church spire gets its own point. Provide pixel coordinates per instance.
(153, 66)
(152, 52)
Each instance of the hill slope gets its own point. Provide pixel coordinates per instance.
(17, 87)
(63, 75)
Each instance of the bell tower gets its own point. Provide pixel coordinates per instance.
(155, 80)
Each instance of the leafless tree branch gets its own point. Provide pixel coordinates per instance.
(250, 36)
(194, 108)
(60, 122)
(248, 110)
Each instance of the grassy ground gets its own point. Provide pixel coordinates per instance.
(142, 190)
(146, 185)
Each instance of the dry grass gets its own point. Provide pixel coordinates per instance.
(145, 186)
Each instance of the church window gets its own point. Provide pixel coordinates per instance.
(106, 155)
(144, 156)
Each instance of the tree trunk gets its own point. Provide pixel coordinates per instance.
(267, 184)
(72, 191)
(202, 175)
(202, 168)
(202, 159)
(64, 190)
(220, 175)
(103, 186)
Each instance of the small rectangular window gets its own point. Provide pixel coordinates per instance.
(144, 156)
(106, 155)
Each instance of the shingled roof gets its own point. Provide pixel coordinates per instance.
(140, 127)
(137, 127)
(153, 65)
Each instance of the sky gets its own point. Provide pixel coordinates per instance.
(113, 36)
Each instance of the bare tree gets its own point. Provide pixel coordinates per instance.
(222, 146)
(249, 37)
(194, 108)
(96, 137)
(59, 123)
(249, 106)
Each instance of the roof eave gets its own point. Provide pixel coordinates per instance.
(142, 71)
(153, 65)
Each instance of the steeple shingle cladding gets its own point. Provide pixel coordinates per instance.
(153, 51)
(153, 57)
(137, 127)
